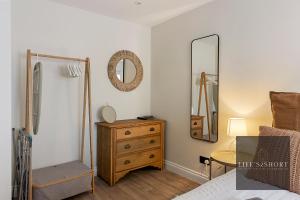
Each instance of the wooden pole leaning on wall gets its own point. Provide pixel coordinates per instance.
(84, 112)
(29, 89)
(28, 112)
(91, 128)
(207, 106)
(200, 95)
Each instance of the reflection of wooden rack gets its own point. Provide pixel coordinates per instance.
(203, 83)
(86, 100)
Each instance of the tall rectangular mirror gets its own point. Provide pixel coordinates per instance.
(205, 88)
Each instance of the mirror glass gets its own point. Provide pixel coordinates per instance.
(205, 88)
(126, 71)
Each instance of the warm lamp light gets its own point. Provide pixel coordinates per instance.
(236, 127)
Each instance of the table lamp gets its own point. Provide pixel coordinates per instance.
(236, 127)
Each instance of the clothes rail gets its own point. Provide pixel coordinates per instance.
(87, 107)
(58, 57)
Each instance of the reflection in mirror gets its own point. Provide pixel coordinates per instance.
(205, 88)
(126, 71)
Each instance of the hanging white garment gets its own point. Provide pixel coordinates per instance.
(37, 96)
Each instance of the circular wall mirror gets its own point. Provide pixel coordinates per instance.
(125, 70)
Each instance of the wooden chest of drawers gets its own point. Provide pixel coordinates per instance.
(127, 145)
(197, 126)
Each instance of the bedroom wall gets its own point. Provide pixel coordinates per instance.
(48, 27)
(259, 47)
(5, 102)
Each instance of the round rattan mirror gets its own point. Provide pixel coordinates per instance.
(125, 70)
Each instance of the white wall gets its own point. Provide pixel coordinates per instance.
(5, 102)
(259, 52)
(48, 27)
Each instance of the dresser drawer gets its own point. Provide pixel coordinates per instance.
(197, 133)
(131, 132)
(137, 159)
(196, 123)
(128, 146)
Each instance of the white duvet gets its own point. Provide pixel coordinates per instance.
(223, 188)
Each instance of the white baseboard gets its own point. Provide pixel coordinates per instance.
(186, 172)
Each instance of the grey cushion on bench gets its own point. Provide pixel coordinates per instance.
(61, 189)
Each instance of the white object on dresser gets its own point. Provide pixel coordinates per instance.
(108, 114)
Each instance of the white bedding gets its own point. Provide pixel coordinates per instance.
(223, 188)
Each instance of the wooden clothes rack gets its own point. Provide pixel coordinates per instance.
(203, 83)
(86, 100)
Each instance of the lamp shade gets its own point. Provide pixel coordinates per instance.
(236, 127)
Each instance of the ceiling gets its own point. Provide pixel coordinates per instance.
(149, 12)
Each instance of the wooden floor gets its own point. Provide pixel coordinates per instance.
(143, 184)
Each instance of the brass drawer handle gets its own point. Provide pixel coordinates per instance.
(152, 129)
(127, 132)
(152, 142)
(195, 123)
(127, 146)
(126, 162)
(152, 156)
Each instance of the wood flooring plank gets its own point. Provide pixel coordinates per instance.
(143, 184)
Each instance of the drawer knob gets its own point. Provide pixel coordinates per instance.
(152, 141)
(152, 129)
(195, 123)
(127, 146)
(126, 162)
(152, 156)
(127, 132)
(195, 133)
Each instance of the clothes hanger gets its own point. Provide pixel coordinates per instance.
(79, 72)
(74, 70)
(211, 81)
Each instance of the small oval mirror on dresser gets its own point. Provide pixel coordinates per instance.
(125, 70)
(205, 88)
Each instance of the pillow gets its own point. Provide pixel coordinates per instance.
(286, 110)
(294, 153)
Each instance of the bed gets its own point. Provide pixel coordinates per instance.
(286, 122)
(223, 188)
